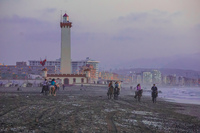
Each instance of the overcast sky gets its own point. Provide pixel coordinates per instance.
(105, 30)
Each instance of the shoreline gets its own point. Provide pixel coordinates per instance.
(191, 109)
(178, 95)
(86, 109)
(174, 100)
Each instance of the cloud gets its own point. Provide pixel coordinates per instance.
(29, 38)
(133, 17)
(17, 19)
(149, 18)
(50, 10)
(137, 35)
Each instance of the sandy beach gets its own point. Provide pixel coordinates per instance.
(87, 109)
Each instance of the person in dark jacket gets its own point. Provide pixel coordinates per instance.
(154, 93)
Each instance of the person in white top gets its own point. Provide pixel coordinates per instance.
(45, 83)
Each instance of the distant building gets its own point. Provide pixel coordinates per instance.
(134, 78)
(198, 81)
(90, 73)
(106, 75)
(171, 79)
(21, 64)
(164, 80)
(147, 78)
(156, 77)
(76, 65)
(181, 81)
(109, 76)
(139, 78)
(115, 76)
(195, 82)
(21, 70)
(190, 81)
(55, 64)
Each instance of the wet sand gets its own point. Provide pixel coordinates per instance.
(87, 109)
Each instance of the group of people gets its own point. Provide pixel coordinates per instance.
(154, 93)
(113, 89)
(47, 85)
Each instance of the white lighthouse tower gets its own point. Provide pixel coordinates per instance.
(65, 25)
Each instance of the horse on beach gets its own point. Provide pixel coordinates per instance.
(45, 90)
(116, 93)
(154, 95)
(52, 90)
(57, 87)
(110, 92)
(138, 95)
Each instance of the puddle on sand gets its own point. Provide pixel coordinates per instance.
(134, 122)
(102, 123)
(151, 118)
(13, 129)
(121, 125)
(109, 110)
(66, 113)
(122, 110)
(141, 112)
(151, 123)
(77, 105)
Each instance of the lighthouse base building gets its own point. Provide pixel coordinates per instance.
(68, 79)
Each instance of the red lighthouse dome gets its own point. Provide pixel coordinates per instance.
(65, 15)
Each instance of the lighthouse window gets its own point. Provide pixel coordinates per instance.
(64, 19)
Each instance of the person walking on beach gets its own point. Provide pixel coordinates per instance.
(138, 88)
(116, 90)
(154, 93)
(45, 83)
(63, 86)
(110, 90)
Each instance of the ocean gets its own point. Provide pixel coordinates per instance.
(180, 95)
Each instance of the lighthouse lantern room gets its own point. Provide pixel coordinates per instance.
(65, 18)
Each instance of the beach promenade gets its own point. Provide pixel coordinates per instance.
(87, 109)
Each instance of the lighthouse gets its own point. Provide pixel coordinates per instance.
(65, 77)
(65, 25)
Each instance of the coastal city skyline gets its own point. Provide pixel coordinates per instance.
(113, 32)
